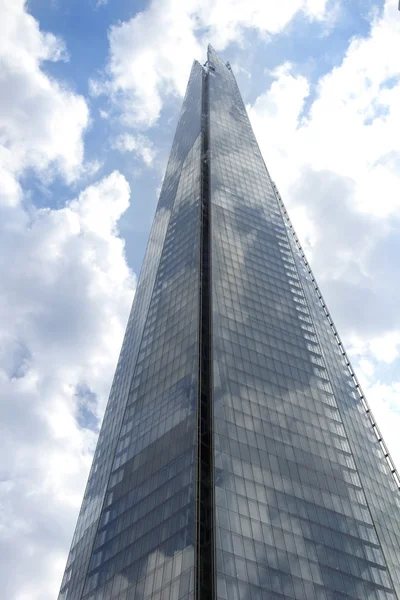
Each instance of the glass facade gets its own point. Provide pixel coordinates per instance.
(306, 506)
(135, 532)
(237, 457)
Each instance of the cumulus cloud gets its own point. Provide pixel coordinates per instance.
(138, 144)
(61, 327)
(66, 295)
(151, 54)
(275, 114)
(41, 121)
(336, 165)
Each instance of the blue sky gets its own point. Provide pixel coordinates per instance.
(90, 95)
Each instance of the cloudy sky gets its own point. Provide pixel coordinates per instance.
(90, 93)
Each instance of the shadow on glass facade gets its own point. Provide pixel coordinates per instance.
(135, 533)
(236, 460)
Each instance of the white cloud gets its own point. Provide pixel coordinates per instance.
(277, 111)
(138, 144)
(61, 324)
(41, 121)
(151, 54)
(339, 166)
(352, 125)
(66, 294)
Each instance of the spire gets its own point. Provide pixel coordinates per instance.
(214, 59)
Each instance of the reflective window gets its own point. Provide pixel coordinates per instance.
(304, 499)
(139, 543)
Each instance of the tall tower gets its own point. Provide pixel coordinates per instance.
(238, 458)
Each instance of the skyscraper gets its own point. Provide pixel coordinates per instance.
(238, 458)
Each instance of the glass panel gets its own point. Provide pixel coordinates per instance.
(141, 540)
(296, 463)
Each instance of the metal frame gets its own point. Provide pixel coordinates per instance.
(357, 385)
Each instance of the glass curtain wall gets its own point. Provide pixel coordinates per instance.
(135, 533)
(296, 459)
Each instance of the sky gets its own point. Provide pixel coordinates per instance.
(90, 95)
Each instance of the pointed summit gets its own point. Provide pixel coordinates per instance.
(214, 59)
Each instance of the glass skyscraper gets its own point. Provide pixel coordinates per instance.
(238, 458)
